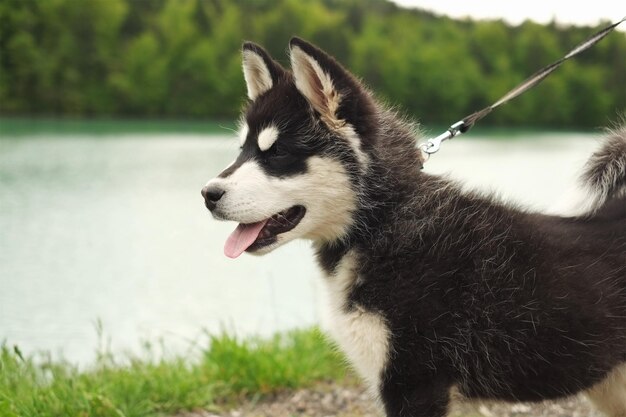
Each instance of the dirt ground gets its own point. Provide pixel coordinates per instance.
(341, 401)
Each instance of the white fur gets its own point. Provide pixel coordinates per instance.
(256, 73)
(595, 185)
(578, 198)
(348, 132)
(576, 201)
(243, 133)
(362, 335)
(318, 88)
(579, 201)
(267, 137)
(609, 396)
(316, 85)
(324, 190)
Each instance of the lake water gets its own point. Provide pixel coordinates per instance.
(109, 226)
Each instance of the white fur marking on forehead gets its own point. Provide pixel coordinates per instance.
(243, 133)
(316, 85)
(267, 137)
(257, 74)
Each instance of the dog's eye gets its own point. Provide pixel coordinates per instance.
(278, 156)
(279, 152)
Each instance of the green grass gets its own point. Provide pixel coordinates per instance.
(228, 369)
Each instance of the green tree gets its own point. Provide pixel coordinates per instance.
(181, 58)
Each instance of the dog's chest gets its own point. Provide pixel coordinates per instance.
(362, 335)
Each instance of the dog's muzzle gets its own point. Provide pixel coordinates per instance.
(212, 195)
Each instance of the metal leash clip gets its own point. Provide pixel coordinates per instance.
(433, 145)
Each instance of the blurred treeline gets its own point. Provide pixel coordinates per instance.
(180, 58)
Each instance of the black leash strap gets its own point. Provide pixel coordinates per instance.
(462, 126)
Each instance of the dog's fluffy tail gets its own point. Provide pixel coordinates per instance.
(604, 176)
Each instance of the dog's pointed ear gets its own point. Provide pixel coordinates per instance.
(260, 71)
(322, 80)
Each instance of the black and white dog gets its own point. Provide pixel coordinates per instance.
(433, 289)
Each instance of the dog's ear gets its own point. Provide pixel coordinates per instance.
(259, 69)
(332, 91)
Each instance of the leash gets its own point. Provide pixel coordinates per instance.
(462, 126)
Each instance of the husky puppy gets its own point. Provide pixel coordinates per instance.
(432, 288)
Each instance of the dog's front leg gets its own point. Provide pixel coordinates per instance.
(412, 396)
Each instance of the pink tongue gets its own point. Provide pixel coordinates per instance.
(243, 236)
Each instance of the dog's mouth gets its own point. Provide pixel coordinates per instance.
(254, 236)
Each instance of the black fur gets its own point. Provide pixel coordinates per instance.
(276, 71)
(497, 301)
(357, 107)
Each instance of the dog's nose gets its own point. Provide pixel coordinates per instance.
(212, 195)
